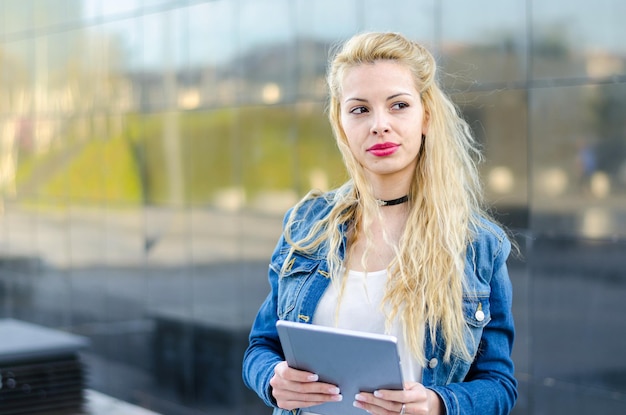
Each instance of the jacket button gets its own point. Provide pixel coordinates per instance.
(432, 363)
(480, 315)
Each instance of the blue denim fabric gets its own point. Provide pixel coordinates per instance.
(485, 385)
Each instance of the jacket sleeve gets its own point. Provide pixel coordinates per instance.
(264, 351)
(490, 386)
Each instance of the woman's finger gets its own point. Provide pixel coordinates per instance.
(294, 388)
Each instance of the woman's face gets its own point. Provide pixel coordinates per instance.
(383, 118)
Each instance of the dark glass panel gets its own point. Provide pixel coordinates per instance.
(411, 18)
(17, 17)
(584, 40)
(483, 41)
(499, 121)
(106, 9)
(578, 149)
(577, 308)
(50, 15)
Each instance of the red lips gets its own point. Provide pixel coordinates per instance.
(383, 149)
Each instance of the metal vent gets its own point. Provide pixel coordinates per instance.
(54, 386)
(40, 371)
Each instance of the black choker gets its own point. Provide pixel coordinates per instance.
(392, 202)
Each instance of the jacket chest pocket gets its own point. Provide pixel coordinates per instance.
(477, 316)
(298, 272)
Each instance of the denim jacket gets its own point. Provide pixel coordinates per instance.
(485, 385)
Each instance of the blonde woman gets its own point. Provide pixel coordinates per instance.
(404, 248)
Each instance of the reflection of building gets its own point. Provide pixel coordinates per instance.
(216, 86)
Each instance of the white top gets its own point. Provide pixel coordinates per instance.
(360, 309)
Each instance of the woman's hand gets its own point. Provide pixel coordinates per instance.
(415, 399)
(294, 388)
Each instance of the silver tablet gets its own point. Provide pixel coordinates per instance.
(354, 361)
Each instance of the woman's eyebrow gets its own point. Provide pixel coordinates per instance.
(356, 99)
(398, 94)
(390, 97)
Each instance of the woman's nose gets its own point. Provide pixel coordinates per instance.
(380, 125)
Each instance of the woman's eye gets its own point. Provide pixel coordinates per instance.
(399, 105)
(358, 110)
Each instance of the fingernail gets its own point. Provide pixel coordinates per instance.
(337, 398)
(334, 391)
(358, 397)
(313, 378)
(378, 394)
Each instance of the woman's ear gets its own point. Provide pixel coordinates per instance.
(425, 123)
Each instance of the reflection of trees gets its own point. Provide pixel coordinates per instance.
(15, 129)
(551, 41)
(57, 104)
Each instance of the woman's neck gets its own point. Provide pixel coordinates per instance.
(385, 231)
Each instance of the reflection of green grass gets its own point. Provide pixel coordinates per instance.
(104, 170)
(254, 148)
(25, 169)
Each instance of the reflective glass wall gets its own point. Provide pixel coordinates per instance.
(149, 148)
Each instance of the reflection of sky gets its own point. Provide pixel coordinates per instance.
(598, 23)
(222, 28)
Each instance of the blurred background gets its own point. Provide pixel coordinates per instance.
(149, 148)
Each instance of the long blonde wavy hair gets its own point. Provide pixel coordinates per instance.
(426, 277)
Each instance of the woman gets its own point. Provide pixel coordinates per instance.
(404, 247)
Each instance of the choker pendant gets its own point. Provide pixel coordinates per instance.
(392, 202)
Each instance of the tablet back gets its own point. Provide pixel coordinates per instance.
(354, 361)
